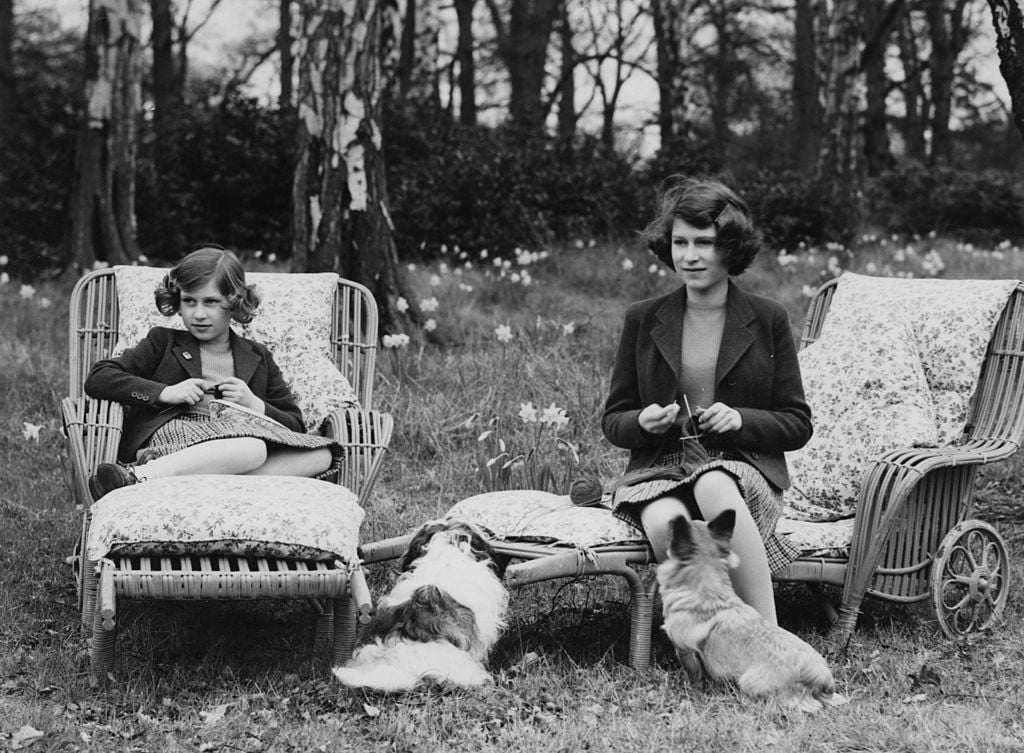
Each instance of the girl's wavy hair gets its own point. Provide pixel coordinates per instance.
(206, 262)
(704, 203)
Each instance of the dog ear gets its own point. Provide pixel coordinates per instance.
(418, 543)
(682, 538)
(722, 526)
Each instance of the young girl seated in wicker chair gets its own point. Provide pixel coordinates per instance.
(179, 388)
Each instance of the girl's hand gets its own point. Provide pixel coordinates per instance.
(656, 419)
(188, 392)
(718, 418)
(234, 390)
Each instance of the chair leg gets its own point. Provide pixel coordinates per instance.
(88, 593)
(641, 610)
(344, 628)
(104, 628)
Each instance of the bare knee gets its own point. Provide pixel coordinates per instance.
(716, 492)
(656, 518)
(250, 451)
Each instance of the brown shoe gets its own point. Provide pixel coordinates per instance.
(110, 476)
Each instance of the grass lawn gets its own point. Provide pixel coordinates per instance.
(538, 329)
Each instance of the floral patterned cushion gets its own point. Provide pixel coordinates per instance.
(268, 516)
(542, 517)
(952, 322)
(830, 539)
(293, 320)
(895, 366)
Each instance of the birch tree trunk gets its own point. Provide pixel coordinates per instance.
(103, 200)
(1008, 20)
(838, 161)
(339, 192)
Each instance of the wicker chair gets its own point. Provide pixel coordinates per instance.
(913, 536)
(93, 428)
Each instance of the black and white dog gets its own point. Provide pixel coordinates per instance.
(440, 620)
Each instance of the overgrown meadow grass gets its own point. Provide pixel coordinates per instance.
(539, 330)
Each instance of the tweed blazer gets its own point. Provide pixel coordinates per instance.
(757, 373)
(168, 356)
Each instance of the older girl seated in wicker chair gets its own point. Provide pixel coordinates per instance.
(706, 390)
(204, 399)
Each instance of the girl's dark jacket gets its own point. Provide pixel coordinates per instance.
(168, 356)
(757, 374)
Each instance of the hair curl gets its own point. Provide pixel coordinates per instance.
(209, 261)
(704, 203)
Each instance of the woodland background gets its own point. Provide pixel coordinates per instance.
(422, 129)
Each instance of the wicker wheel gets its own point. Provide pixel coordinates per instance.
(970, 578)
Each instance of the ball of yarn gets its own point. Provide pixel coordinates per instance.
(586, 492)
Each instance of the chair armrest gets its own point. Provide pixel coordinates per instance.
(92, 430)
(386, 549)
(365, 435)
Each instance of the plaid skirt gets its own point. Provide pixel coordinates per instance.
(191, 429)
(763, 500)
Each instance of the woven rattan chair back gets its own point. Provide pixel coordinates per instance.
(912, 499)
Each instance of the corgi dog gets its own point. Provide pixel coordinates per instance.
(440, 620)
(716, 633)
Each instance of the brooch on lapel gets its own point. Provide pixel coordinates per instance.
(187, 356)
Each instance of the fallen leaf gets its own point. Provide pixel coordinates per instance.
(215, 714)
(371, 711)
(24, 737)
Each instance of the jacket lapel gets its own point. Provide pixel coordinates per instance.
(668, 333)
(246, 359)
(186, 350)
(737, 338)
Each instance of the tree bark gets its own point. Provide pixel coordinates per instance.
(675, 70)
(567, 116)
(103, 200)
(525, 50)
(284, 51)
(1008, 20)
(915, 103)
(947, 38)
(806, 88)
(467, 66)
(880, 18)
(339, 193)
(8, 90)
(418, 73)
(838, 162)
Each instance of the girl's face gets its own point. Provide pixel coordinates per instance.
(698, 263)
(206, 314)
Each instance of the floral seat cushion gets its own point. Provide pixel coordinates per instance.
(260, 516)
(895, 366)
(527, 515)
(829, 539)
(293, 320)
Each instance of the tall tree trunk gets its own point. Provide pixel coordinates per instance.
(418, 73)
(915, 115)
(838, 162)
(526, 52)
(284, 51)
(339, 194)
(567, 79)
(103, 201)
(806, 88)
(164, 92)
(880, 18)
(467, 67)
(8, 91)
(947, 37)
(1008, 20)
(675, 70)
(941, 68)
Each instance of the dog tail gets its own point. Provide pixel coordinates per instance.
(400, 666)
